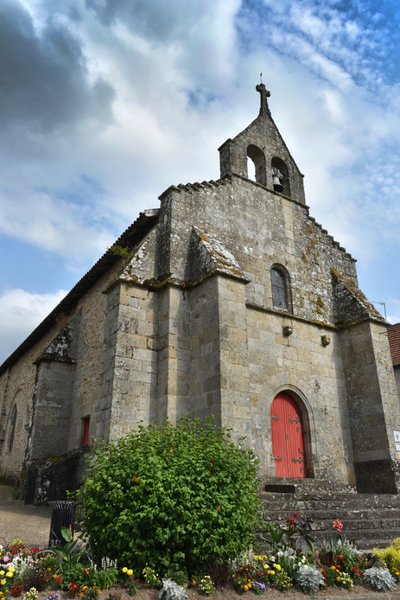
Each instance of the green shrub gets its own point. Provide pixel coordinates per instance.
(283, 582)
(175, 498)
(390, 557)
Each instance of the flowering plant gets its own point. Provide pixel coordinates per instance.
(151, 577)
(6, 574)
(243, 577)
(204, 585)
(338, 525)
(130, 580)
(31, 594)
(261, 572)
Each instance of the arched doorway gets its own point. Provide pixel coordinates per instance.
(288, 447)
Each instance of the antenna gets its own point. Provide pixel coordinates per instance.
(381, 304)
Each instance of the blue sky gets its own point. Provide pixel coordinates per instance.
(105, 103)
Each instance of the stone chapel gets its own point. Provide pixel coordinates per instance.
(229, 300)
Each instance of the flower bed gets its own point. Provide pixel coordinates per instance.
(291, 562)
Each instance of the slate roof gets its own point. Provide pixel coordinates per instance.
(394, 343)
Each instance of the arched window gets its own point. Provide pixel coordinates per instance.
(258, 158)
(280, 285)
(280, 176)
(12, 426)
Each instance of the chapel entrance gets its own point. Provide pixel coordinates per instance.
(288, 446)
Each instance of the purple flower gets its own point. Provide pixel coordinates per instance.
(53, 597)
(260, 585)
(6, 558)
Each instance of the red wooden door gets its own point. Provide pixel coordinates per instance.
(287, 437)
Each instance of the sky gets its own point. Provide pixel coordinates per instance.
(106, 103)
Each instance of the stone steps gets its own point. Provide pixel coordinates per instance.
(370, 520)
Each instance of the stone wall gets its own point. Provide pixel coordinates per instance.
(205, 376)
(18, 385)
(313, 373)
(260, 228)
(373, 405)
(133, 390)
(56, 383)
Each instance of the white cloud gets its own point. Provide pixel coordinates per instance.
(20, 313)
(53, 225)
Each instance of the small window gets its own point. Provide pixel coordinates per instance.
(13, 424)
(280, 288)
(85, 431)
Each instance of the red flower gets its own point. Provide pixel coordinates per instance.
(72, 586)
(293, 519)
(338, 525)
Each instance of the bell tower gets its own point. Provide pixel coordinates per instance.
(261, 143)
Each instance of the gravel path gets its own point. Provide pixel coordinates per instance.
(31, 523)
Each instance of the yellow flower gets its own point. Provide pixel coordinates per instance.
(2, 572)
(3, 581)
(129, 572)
(277, 567)
(124, 569)
(12, 568)
(265, 566)
(85, 587)
(271, 572)
(9, 574)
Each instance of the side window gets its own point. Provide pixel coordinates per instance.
(12, 426)
(281, 297)
(85, 430)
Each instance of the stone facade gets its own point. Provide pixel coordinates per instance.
(227, 297)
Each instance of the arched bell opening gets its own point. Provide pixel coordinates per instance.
(290, 436)
(280, 176)
(257, 158)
